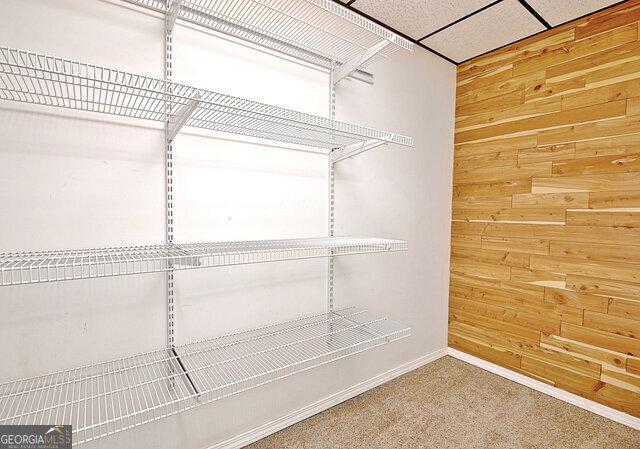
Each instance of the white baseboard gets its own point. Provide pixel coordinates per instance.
(324, 404)
(578, 401)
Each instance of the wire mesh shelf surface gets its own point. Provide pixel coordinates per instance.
(44, 266)
(46, 80)
(105, 398)
(317, 31)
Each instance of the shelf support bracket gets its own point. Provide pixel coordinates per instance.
(177, 121)
(348, 151)
(349, 67)
(172, 14)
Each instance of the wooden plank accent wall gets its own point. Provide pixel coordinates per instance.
(545, 260)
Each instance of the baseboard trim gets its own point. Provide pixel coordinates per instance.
(324, 404)
(578, 401)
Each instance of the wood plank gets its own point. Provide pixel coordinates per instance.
(627, 13)
(505, 188)
(600, 112)
(521, 291)
(576, 50)
(528, 246)
(546, 154)
(619, 398)
(549, 89)
(605, 287)
(493, 146)
(633, 366)
(486, 160)
(492, 337)
(589, 131)
(586, 183)
(613, 324)
(508, 114)
(510, 215)
(613, 73)
(487, 270)
(609, 146)
(466, 241)
(488, 323)
(501, 74)
(582, 66)
(513, 84)
(507, 258)
(596, 251)
(614, 200)
(584, 351)
(598, 165)
(577, 299)
(536, 322)
(502, 357)
(599, 218)
(633, 106)
(538, 277)
(601, 95)
(481, 202)
(565, 233)
(551, 200)
(597, 390)
(626, 381)
(461, 291)
(495, 103)
(530, 306)
(562, 375)
(607, 340)
(624, 308)
(601, 269)
(506, 173)
(535, 46)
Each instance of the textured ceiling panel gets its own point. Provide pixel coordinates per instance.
(499, 25)
(556, 12)
(417, 18)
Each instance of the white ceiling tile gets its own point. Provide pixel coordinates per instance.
(556, 12)
(417, 18)
(499, 25)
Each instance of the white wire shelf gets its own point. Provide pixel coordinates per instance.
(46, 266)
(320, 32)
(46, 80)
(102, 399)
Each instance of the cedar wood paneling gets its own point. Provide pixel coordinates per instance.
(545, 261)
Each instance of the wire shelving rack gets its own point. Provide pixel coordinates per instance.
(105, 398)
(47, 266)
(46, 80)
(109, 397)
(320, 32)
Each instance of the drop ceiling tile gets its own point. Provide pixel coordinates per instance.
(492, 28)
(556, 12)
(417, 18)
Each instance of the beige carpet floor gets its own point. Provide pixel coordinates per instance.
(451, 404)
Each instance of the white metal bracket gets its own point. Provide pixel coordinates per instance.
(348, 151)
(172, 14)
(177, 121)
(349, 67)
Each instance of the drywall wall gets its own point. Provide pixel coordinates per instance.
(73, 180)
(545, 269)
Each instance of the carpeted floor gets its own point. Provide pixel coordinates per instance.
(451, 404)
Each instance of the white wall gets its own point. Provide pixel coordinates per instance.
(72, 180)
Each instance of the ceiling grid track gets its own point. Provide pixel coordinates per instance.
(546, 22)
